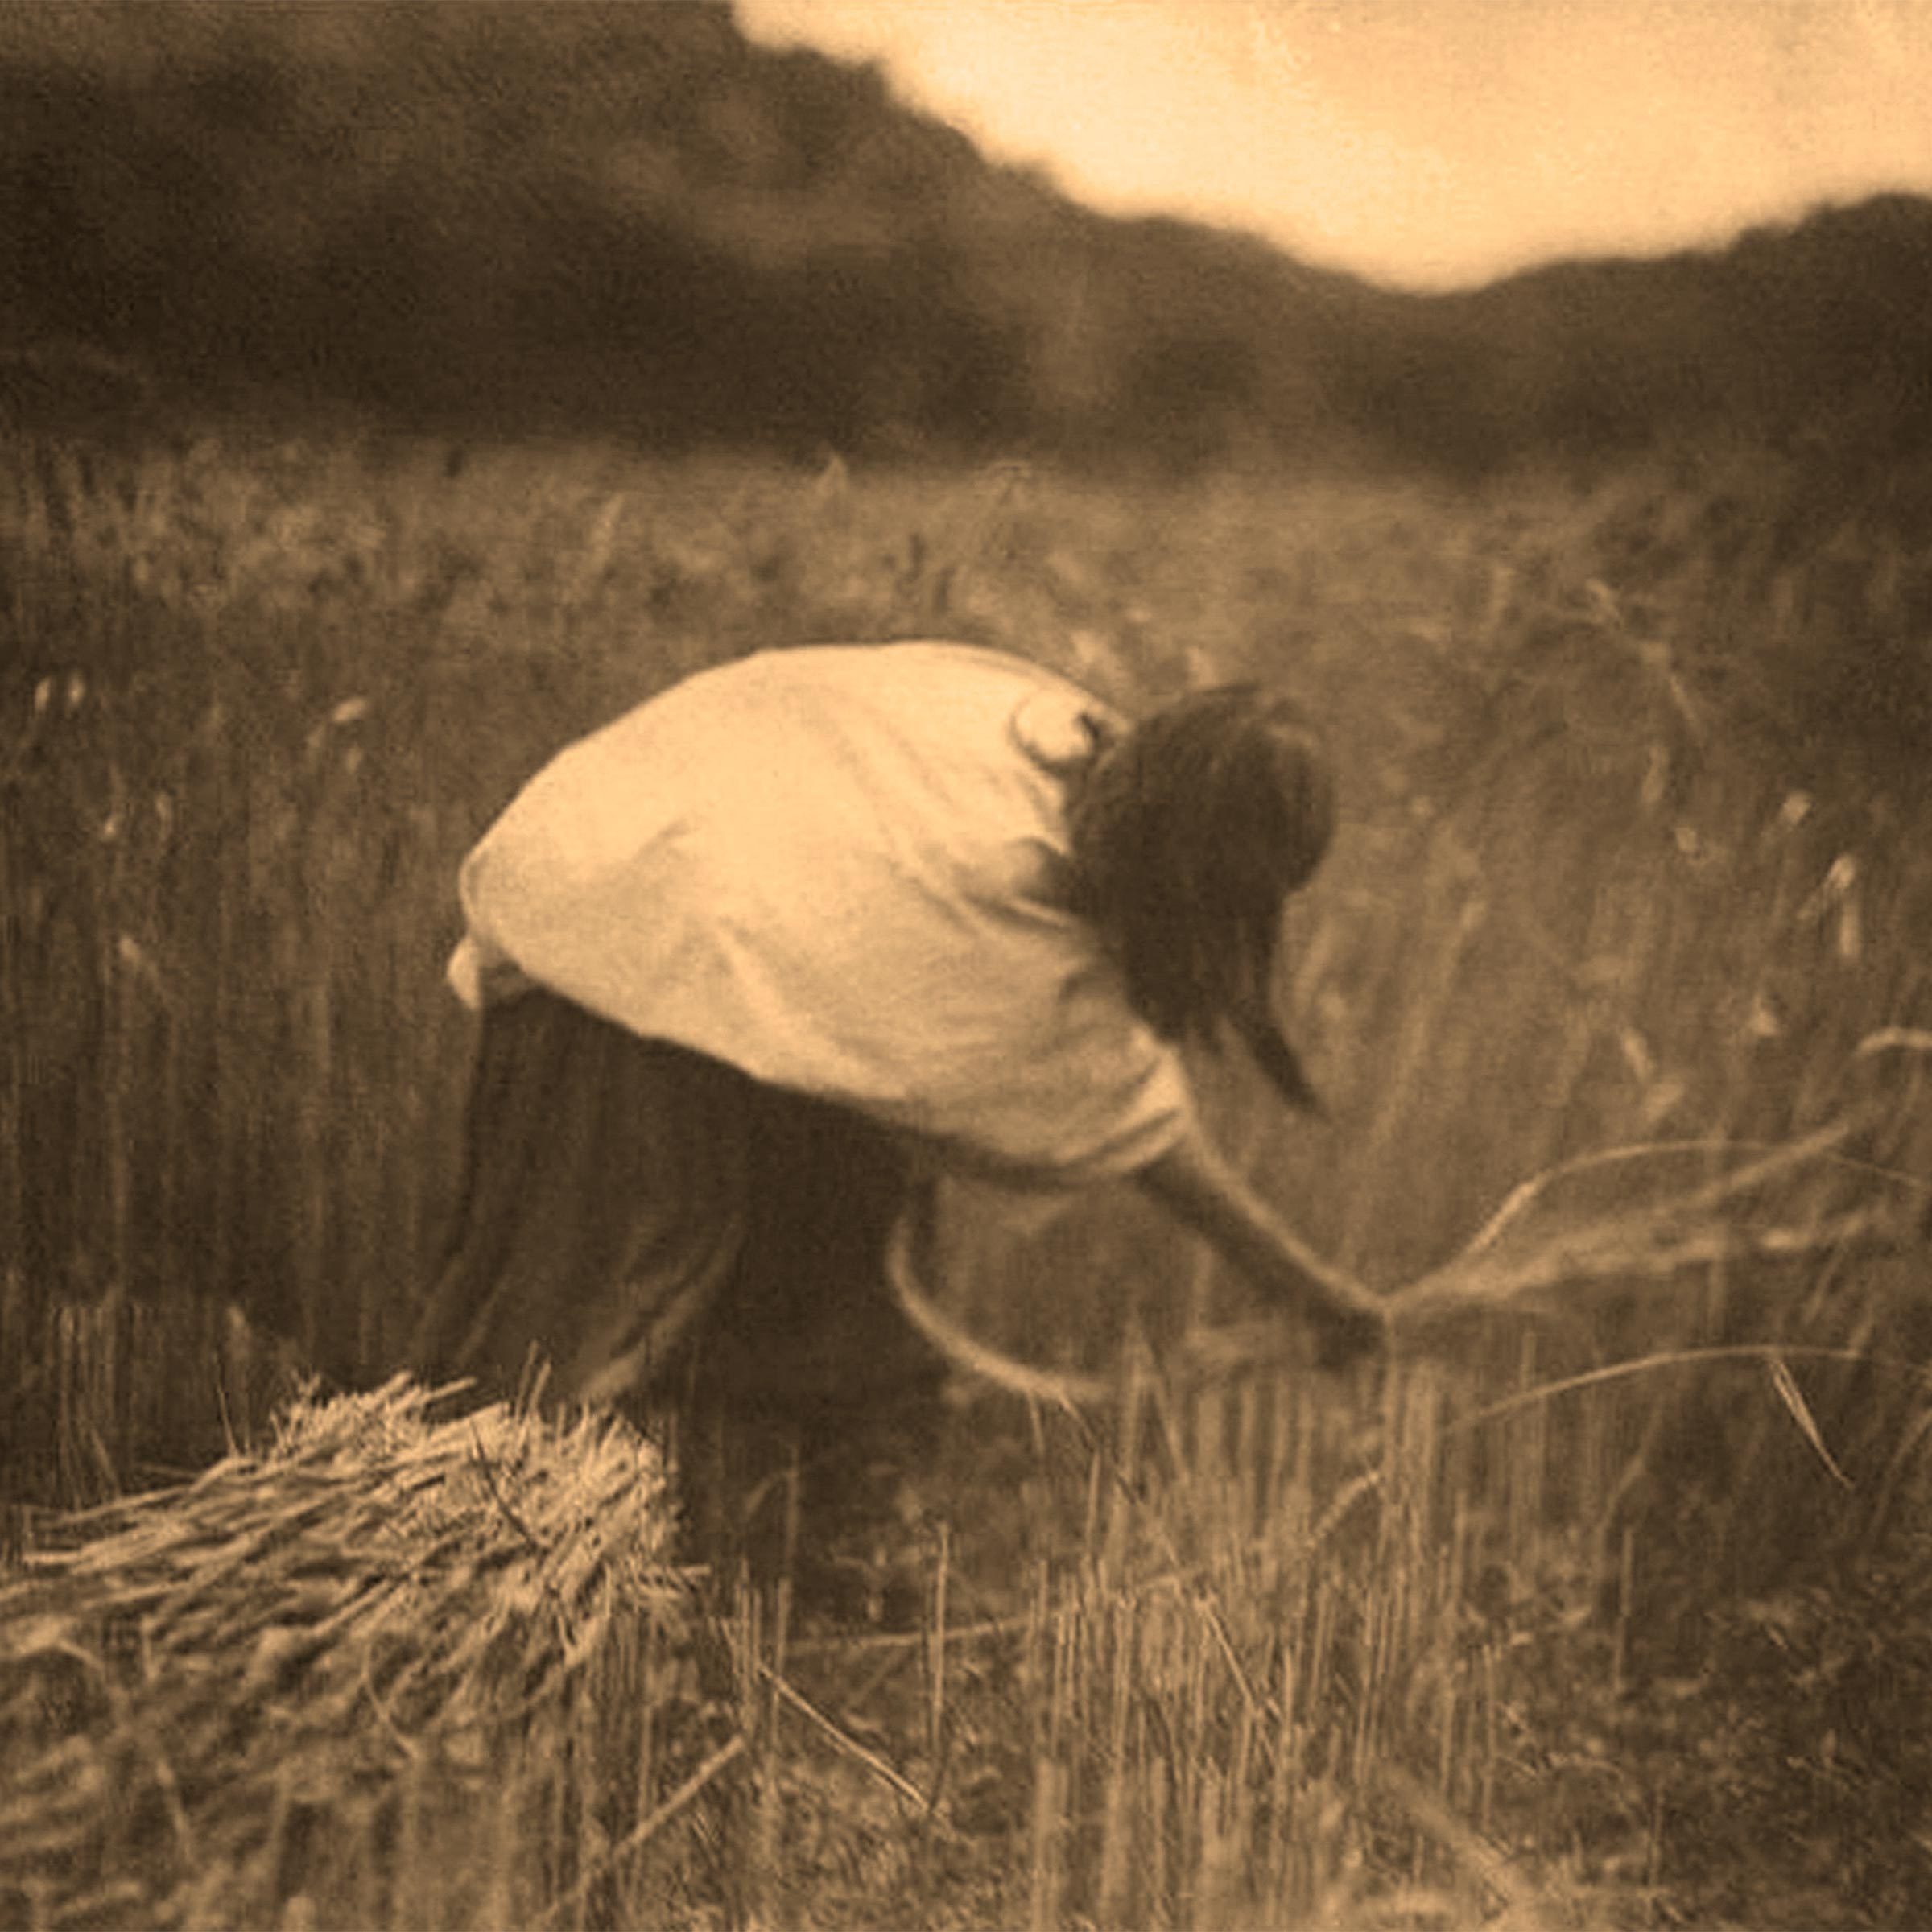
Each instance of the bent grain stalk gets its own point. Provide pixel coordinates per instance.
(1530, 1258)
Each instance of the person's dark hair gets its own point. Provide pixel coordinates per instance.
(1189, 830)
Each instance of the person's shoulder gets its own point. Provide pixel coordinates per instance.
(937, 688)
(1029, 675)
(937, 657)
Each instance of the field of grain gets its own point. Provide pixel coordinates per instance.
(1600, 1617)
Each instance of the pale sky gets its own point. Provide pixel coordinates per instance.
(1430, 143)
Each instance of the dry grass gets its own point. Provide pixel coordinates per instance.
(1627, 903)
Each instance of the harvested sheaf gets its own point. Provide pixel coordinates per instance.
(381, 1602)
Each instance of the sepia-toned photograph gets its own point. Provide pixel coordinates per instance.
(962, 966)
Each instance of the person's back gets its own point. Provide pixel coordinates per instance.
(759, 957)
(844, 871)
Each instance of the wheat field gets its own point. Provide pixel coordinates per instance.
(1596, 1612)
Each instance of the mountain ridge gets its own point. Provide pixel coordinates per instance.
(638, 220)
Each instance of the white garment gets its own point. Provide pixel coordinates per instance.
(842, 868)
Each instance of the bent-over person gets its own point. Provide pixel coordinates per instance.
(758, 959)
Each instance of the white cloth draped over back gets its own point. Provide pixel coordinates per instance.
(842, 869)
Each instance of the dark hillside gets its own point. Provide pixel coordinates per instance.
(1821, 331)
(626, 218)
(631, 220)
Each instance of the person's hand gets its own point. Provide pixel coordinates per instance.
(1348, 1329)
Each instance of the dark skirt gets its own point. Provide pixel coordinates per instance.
(640, 1224)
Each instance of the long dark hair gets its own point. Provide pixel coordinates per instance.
(1189, 830)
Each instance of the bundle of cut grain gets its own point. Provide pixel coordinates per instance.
(395, 1670)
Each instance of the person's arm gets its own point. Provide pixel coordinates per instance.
(1200, 1190)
